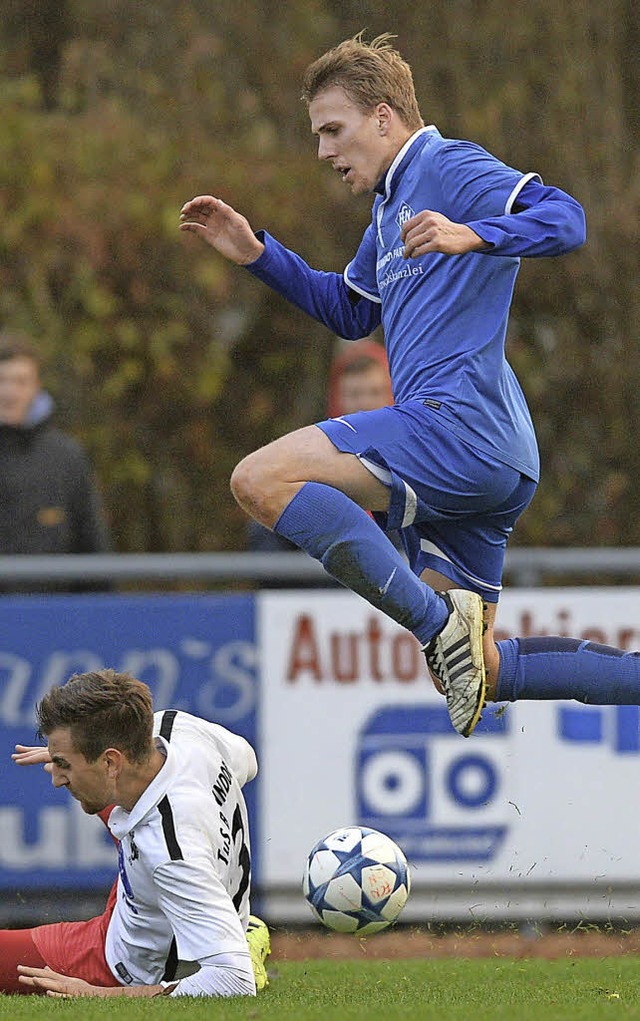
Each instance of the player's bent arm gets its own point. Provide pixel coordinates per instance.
(220, 975)
(206, 927)
(324, 296)
(545, 221)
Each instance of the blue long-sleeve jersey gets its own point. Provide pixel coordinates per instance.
(444, 317)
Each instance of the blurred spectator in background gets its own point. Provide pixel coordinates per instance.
(48, 499)
(358, 381)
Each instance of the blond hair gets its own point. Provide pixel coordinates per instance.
(368, 73)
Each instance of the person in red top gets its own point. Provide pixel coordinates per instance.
(359, 379)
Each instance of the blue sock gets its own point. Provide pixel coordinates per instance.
(353, 550)
(550, 668)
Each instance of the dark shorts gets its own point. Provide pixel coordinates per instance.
(455, 506)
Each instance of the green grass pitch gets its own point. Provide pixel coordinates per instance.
(469, 990)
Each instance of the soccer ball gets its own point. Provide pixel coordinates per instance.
(356, 880)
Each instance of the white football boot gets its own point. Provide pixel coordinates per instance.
(454, 657)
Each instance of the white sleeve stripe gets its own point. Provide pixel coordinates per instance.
(382, 474)
(410, 505)
(518, 188)
(360, 290)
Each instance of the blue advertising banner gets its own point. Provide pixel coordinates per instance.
(196, 653)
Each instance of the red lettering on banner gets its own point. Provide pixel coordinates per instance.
(392, 656)
(563, 624)
(374, 633)
(305, 655)
(406, 658)
(349, 656)
(526, 627)
(593, 634)
(344, 657)
(625, 636)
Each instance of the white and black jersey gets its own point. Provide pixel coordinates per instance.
(184, 857)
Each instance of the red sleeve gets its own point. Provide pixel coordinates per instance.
(104, 815)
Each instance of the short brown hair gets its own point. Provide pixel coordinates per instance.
(369, 73)
(102, 709)
(15, 344)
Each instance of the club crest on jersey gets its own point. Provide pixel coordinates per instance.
(404, 213)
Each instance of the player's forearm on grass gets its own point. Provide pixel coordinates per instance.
(55, 984)
(323, 296)
(144, 991)
(138, 991)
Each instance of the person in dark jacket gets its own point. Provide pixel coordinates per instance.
(48, 498)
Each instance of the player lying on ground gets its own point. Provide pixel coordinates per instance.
(454, 462)
(169, 787)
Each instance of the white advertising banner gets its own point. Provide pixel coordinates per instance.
(534, 815)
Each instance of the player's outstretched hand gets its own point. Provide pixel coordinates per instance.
(44, 980)
(428, 231)
(32, 755)
(221, 227)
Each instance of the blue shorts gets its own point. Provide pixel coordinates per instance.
(455, 506)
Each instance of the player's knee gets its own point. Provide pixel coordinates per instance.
(243, 480)
(250, 485)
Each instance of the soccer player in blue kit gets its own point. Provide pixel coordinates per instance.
(454, 462)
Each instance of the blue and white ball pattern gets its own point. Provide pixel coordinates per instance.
(356, 880)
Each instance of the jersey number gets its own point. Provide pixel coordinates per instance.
(244, 858)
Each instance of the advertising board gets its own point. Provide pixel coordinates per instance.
(197, 653)
(533, 816)
(529, 815)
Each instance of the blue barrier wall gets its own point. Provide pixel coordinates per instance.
(196, 653)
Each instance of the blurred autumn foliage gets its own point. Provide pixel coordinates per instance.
(171, 364)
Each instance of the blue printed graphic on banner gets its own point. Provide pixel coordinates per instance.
(196, 653)
(616, 726)
(419, 783)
